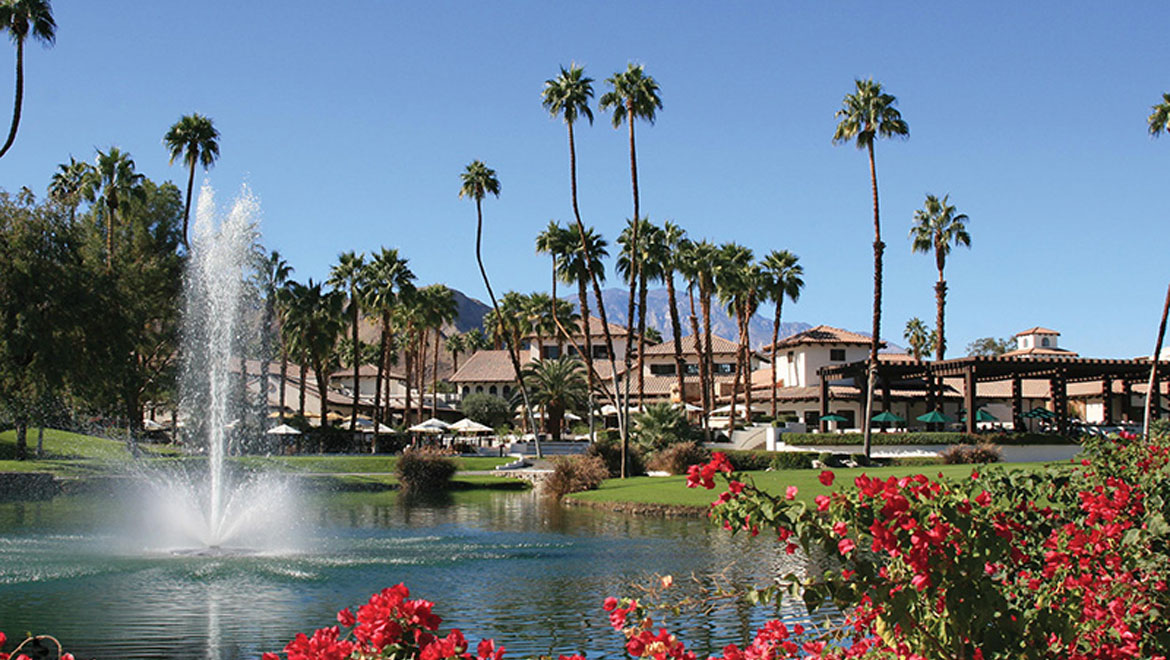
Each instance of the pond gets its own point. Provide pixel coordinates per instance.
(506, 565)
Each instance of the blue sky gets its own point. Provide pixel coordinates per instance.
(352, 122)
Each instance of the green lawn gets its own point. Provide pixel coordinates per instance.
(672, 491)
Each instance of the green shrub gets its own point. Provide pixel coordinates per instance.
(572, 474)
(860, 459)
(486, 409)
(422, 470)
(980, 453)
(915, 461)
(927, 438)
(661, 426)
(610, 452)
(749, 460)
(792, 460)
(675, 459)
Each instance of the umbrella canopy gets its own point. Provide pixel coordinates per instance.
(467, 425)
(689, 407)
(334, 416)
(432, 425)
(283, 429)
(151, 425)
(935, 417)
(833, 418)
(886, 416)
(1039, 413)
(982, 415)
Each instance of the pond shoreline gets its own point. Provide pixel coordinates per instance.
(640, 508)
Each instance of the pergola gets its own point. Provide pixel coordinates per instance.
(1059, 371)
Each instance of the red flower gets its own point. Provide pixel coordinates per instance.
(609, 604)
(822, 502)
(790, 493)
(983, 499)
(827, 477)
(346, 618)
(845, 546)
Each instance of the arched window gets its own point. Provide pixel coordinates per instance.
(492, 389)
(507, 390)
(466, 390)
(1044, 342)
(479, 389)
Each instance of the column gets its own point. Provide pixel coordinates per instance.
(969, 397)
(1107, 400)
(1017, 405)
(824, 405)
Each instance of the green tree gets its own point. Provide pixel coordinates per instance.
(581, 265)
(641, 258)
(557, 386)
(554, 241)
(739, 283)
(919, 337)
(672, 239)
(785, 280)
(387, 278)
(196, 140)
(661, 425)
(1158, 121)
(487, 409)
(936, 227)
(440, 309)
(476, 340)
(456, 344)
(347, 276)
(567, 96)
(109, 184)
(479, 180)
(20, 18)
(697, 262)
(866, 115)
(315, 319)
(272, 274)
(67, 183)
(990, 346)
(633, 95)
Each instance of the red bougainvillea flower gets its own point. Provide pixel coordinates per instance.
(827, 477)
(790, 492)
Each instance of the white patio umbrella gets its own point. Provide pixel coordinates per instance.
(467, 425)
(151, 425)
(283, 429)
(432, 425)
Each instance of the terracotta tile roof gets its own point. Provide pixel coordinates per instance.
(719, 346)
(1036, 331)
(595, 330)
(486, 367)
(365, 371)
(1041, 351)
(822, 334)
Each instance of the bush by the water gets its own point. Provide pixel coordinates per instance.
(676, 458)
(981, 453)
(926, 438)
(573, 474)
(424, 470)
(610, 452)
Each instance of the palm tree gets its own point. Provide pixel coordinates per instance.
(21, 18)
(641, 260)
(661, 425)
(66, 185)
(698, 260)
(936, 228)
(567, 96)
(634, 95)
(315, 319)
(1159, 121)
(865, 115)
(456, 344)
(553, 241)
(479, 180)
(440, 309)
(271, 276)
(557, 386)
(736, 281)
(347, 276)
(919, 337)
(112, 180)
(195, 139)
(671, 241)
(581, 264)
(539, 313)
(386, 279)
(785, 281)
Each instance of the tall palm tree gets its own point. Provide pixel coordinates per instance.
(582, 263)
(553, 241)
(456, 344)
(1159, 122)
(111, 181)
(918, 336)
(567, 96)
(633, 95)
(698, 261)
(672, 238)
(441, 309)
(387, 278)
(271, 276)
(936, 227)
(66, 185)
(557, 386)
(785, 281)
(641, 260)
(20, 18)
(736, 284)
(539, 314)
(195, 139)
(315, 319)
(865, 115)
(348, 276)
(480, 180)
(476, 340)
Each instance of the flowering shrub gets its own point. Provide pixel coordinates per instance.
(33, 642)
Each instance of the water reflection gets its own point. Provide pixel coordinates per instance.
(506, 565)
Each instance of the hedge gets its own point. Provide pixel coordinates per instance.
(926, 438)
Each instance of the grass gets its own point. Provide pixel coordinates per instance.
(354, 464)
(378, 482)
(672, 491)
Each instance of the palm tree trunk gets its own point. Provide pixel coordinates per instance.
(283, 379)
(940, 297)
(187, 206)
(110, 206)
(705, 303)
(301, 394)
(422, 372)
(21, 437)
(435, 376)
(775, 338)
(19, 98)
(703, 397)
(408, 358)
(583, 299)
(487, 284)
(878, 247)
(596, 293)
(1153, 383)
(265, 359)
(635, 273)
(356, 361)
(378, 375)
(676, 332)
(641, 341)
(747, 364)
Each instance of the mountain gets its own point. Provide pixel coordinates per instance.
(470, 312)
(658, 316)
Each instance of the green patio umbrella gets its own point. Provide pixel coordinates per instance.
(833, 418)
(887, 416)
(1039, 413)
(934, 417)
(981, 415)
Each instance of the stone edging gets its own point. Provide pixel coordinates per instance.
(641, 508)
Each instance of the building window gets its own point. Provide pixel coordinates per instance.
(724, 368)
(507, 391)
(599, 352)
(662, 369)
(572, 351)
(479, 389)
(692, 369)
(492, 390)
(552, 352)
(836, 355)
(466, 390)
(1044, 343)
(812, 417)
